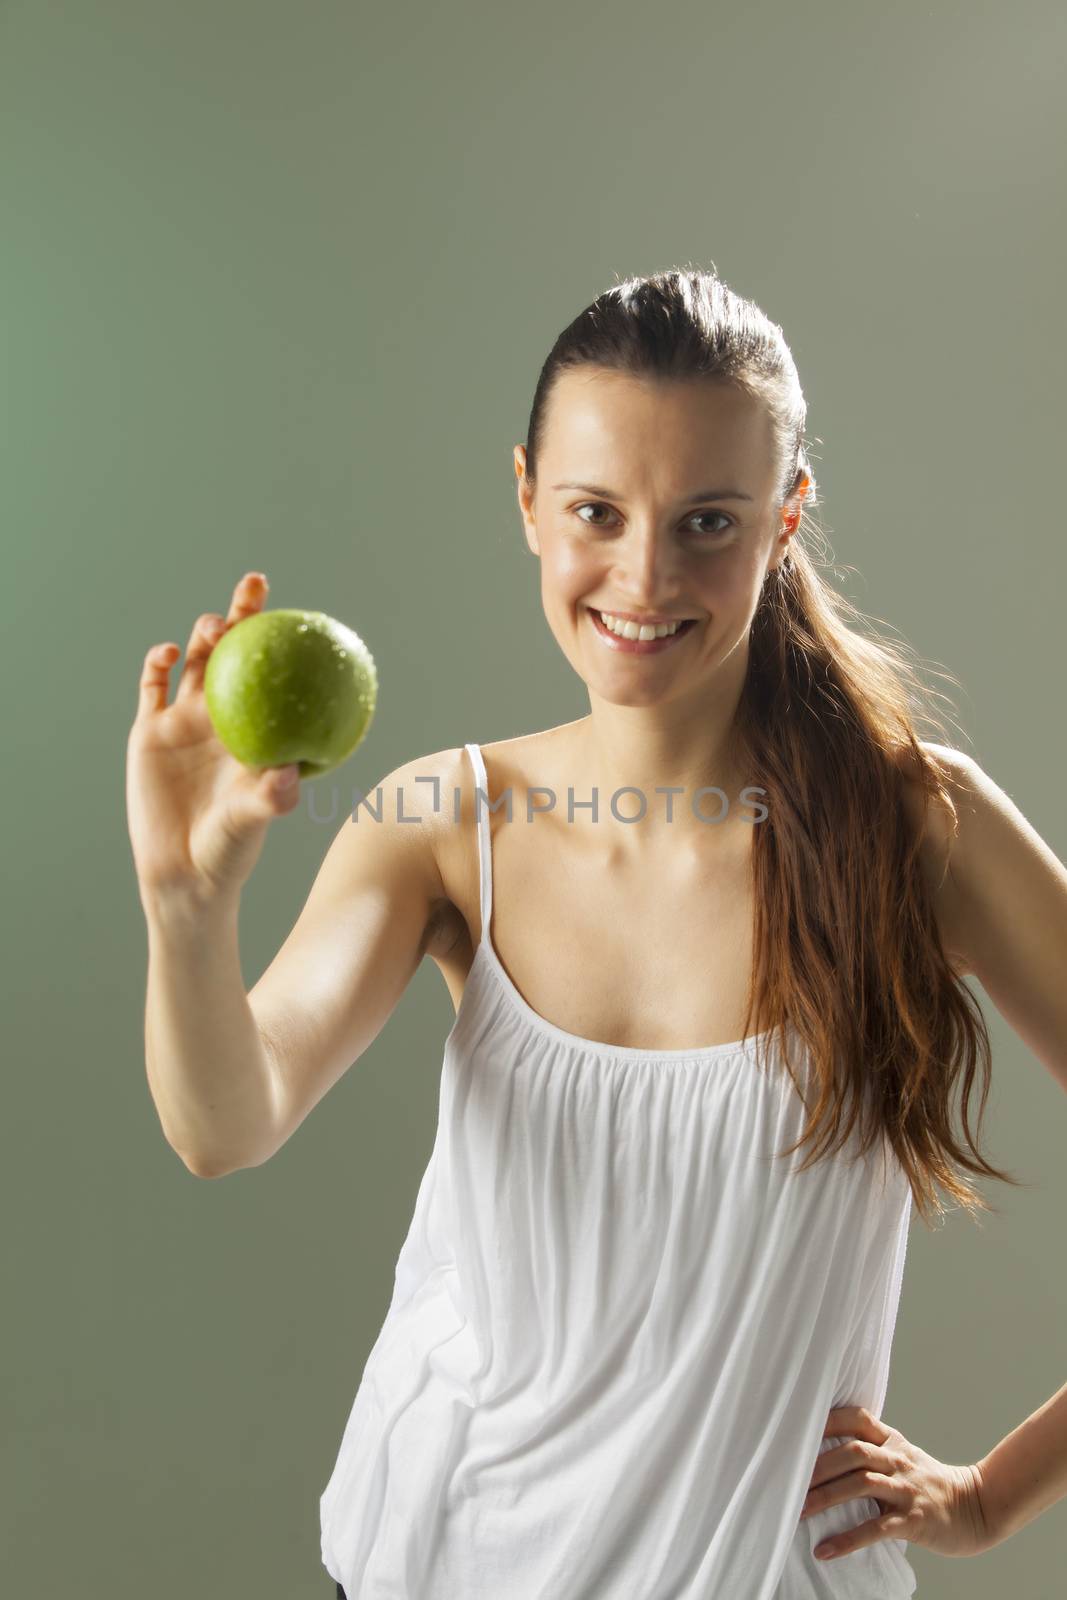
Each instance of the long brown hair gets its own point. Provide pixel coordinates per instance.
(846, 945)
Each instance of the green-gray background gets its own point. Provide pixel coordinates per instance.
(278, 279)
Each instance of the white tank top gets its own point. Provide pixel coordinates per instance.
(617, 1328)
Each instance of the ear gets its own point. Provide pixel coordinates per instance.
(526, 500)
(791, 516)
(794, 502)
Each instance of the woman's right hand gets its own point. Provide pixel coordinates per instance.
(197, 816)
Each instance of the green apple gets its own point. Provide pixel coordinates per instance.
(284, 686)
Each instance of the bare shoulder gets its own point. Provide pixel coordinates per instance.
(1009, 891)
(511, 764)
(415, 791)
(431, 787)
(447, 784)
(454, 834)
(942, 832)
(956, 770)
(413, 803)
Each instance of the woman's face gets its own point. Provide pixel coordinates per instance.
(629, 540)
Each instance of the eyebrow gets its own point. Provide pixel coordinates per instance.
(701, 494)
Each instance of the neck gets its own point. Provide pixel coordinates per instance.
(684, 744)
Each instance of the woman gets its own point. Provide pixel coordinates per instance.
(706, 947)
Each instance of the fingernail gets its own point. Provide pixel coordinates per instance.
(288, 777)
(824, 1550)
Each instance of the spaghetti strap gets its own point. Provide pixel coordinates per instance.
(485, 857)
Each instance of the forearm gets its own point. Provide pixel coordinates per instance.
(209, 1070)
(1026, 1472)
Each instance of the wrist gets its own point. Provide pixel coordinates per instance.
(188, 911)
(991, 1531)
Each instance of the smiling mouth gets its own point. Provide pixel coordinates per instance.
(653, 646)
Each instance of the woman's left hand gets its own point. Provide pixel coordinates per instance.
(922, 1500)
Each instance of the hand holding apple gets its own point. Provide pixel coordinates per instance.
(197, 817)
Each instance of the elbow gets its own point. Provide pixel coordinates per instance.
(203, 1169)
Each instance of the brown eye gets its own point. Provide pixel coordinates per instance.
(700, 515)
(590, 505)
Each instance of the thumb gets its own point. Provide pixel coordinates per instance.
(263, 795)
(280, 786)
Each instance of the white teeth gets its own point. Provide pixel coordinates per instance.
(632, 630)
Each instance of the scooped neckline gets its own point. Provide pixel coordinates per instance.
(599, 1047)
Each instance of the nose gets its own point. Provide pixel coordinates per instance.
(646, 569)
